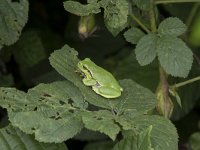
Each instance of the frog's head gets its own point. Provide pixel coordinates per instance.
(84, 67)
(85, 64)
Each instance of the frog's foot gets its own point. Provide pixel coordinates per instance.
(108, 92)
(89, 82)
(80, 73)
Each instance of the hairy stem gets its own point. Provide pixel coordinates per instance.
(174, 1)
(164, 103)
(152, 17)
(139, 23)
(185, 82)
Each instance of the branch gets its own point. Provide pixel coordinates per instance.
(140, 23)
(174, 1)
(185, 82)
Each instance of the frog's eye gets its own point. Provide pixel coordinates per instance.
(84, 67)
(79, 64)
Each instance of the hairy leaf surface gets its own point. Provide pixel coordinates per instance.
(101, 121)
(46, 110)
(80, 9)
(13, 139)
(144, 5)
(140, 142)
(163, 134)
(174, 56)
(135, 99)
(115, 15)
(172, 26)
(146, 49)
(133, 35)
(13, 17)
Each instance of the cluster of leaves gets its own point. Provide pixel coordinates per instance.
(173, 54)
(66, 108)
(115, 12)
(58, 111)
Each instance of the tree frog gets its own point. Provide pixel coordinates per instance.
(101, 81)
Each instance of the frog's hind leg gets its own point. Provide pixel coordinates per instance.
(89, 82)
(109, 92)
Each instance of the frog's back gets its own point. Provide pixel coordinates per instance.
(101, 75)
(106, 78)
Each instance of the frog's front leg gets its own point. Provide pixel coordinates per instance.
(108, 92)
(89, 82)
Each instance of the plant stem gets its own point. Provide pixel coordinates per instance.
(185, 82)
(164, 103)
(192, 14)
(174, 1)
(152, 17)
(163, 80)
(140, 23)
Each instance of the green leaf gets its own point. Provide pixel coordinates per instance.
(50, 111)
(47, 110)
(140, 142)
(172, 26)
(147, 76)
(64, 91)
(13, 18)
(174, 56)
(135, 98)
(146, 49)
(101, 121)
(115, 15)
(92, 1)
(163, 135)
(80, 9)
(174, 93)
(194, 141)
(65, 62)
(13, 138)
(144, 5)
(29, 50)
(133, 35)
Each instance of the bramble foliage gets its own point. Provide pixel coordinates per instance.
(13, 17)
(173, 54)
(54, 113)
(13, 138)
